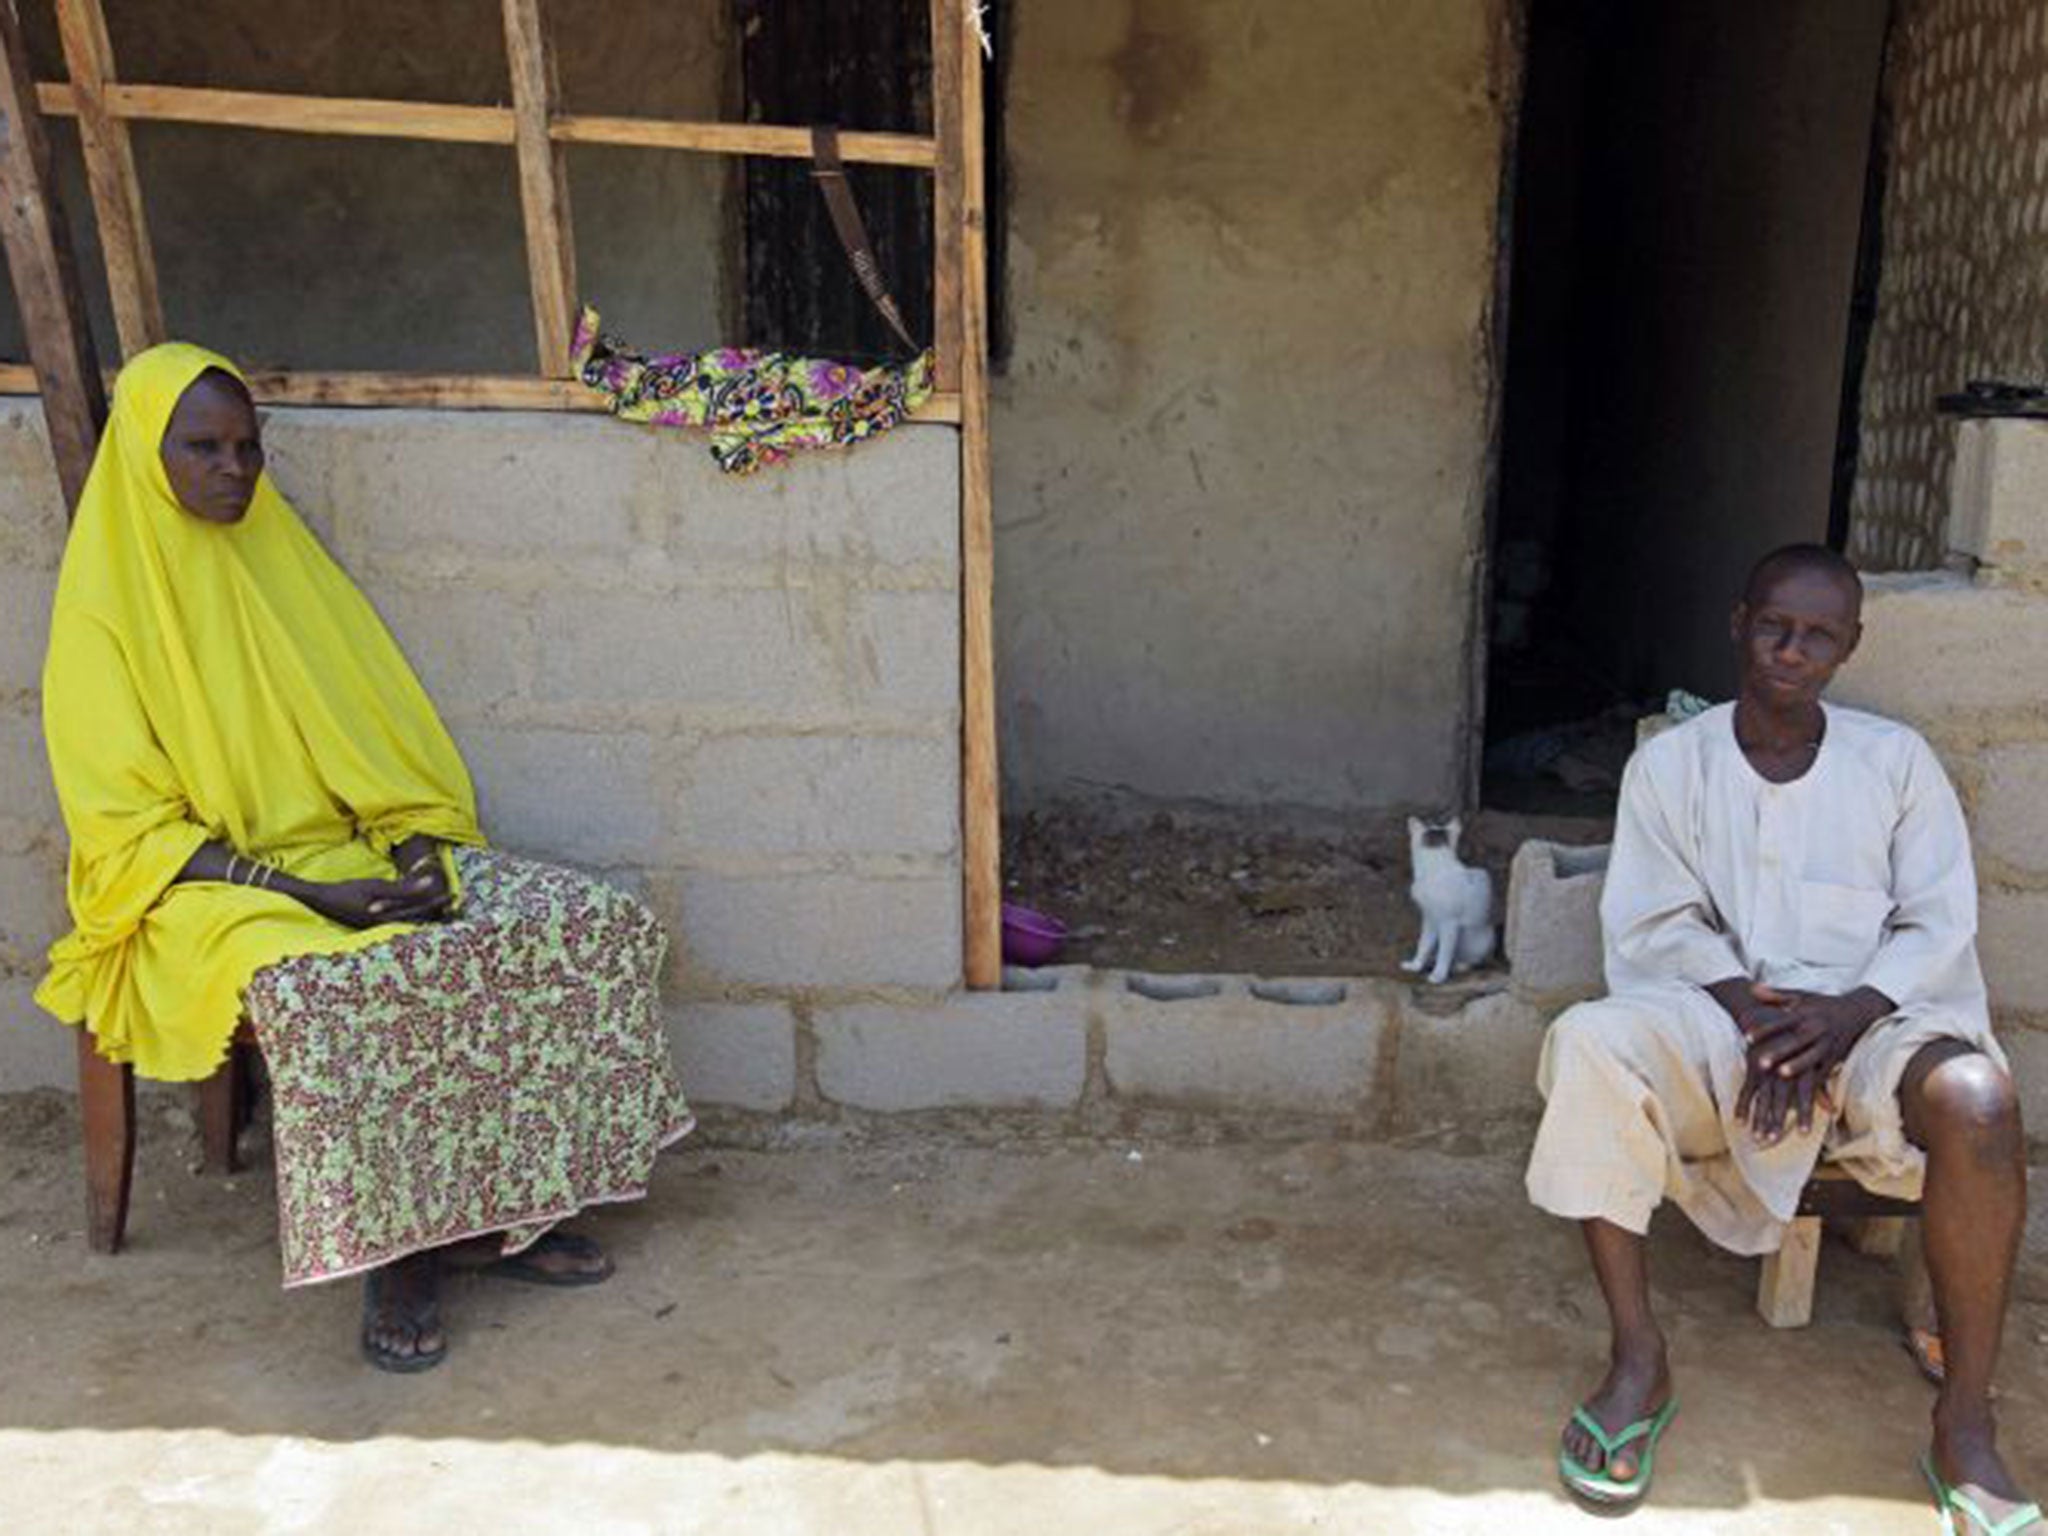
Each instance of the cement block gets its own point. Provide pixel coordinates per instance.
(582, 797)
(26, 791)
(491, 482)
(468, 645)
(895, 503)
(1474, 1069)
(35, 1050)
(1553, 918)
(996, 1050)
(2011, 929)
(767, 652)
(304, 475)
(1927, 644)
(2026, 1050)
(32, 526)
(742, 1055)
(33, 914)
(824, 930)
(1230, 1050)
(904, 654)
(25, 597)
(2011, 819)
(822, 794)
(1998, 494)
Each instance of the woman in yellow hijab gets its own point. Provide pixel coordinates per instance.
(269, 821)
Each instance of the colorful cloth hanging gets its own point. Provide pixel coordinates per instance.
(761, 407)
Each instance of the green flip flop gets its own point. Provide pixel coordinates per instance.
(1598, 1486)
(1951, 1502)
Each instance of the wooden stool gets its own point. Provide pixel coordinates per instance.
(1784, 1292)
(106, 1102)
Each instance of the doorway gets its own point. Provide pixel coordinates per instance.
(1688, 207)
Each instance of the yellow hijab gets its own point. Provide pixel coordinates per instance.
(225, 682)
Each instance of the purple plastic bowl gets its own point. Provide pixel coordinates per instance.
(1031, 938)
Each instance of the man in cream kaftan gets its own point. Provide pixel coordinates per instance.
(1790, 921)
(1857, 873)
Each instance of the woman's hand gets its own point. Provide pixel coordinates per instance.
(420, 898)
(421, 855)
(420, 894)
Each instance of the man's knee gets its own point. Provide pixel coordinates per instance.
(1571, 1041)
(1967, 1095)
(1584, 1029)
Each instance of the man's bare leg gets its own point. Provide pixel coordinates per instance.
(1962, 1110)
(1638, 1376)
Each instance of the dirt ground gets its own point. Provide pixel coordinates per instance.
(1177, 893)
(882, 1333)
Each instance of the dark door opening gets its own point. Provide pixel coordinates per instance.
(1689, 192)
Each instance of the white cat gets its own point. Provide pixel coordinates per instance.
(1456, 902)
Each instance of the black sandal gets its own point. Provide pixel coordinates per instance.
(420, 1314)
(521, 1265)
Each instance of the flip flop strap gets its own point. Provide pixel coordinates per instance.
(1635, 1431)
(2018, 1520)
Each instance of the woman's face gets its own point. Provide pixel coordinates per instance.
(213, 449)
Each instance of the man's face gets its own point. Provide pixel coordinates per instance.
(1789, 642)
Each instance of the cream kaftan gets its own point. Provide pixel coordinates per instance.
(1857, 873)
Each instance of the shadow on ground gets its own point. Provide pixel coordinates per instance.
(1235, 1338)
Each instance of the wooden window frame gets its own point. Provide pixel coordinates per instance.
(538, 130)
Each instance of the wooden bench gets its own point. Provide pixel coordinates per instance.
(1878, 1225)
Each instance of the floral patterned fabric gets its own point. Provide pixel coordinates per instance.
(760, 406)
(496, 1073)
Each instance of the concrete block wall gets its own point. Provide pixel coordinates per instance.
(1962, 655)
(1965, 661)
(1104, 1049)
(737, 697)
(32, 844)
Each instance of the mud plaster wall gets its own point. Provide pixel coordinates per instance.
(1963, 291)
(1240, 445)
(325, 252)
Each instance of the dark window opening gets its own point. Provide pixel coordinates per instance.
(861, 65)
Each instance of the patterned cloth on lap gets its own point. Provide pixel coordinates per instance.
(491, 1074)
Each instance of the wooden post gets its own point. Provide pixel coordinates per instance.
(960, 160)
(947, 23)
(67, 371)
(45, 275)
(1784, 1292)
(106, 1107)
(110, 170)
(543, 184)
(1916, 1287)
(220, 1113)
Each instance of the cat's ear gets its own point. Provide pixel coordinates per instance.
(1415, 826)
(1451, 830)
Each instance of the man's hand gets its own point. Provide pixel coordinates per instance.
(1793, 1042)
(1813, 1031)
